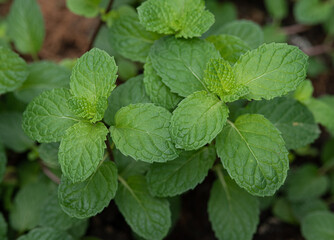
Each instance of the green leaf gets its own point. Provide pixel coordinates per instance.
(88, 198)
(3, 162)
(197, 120)
(26, 26)
(181, 63)
(182, 174)
(48, 152)
(92, 80)
(312, 11)
(11, 132)
(3, 227)
(316, 67)
(305, 183)
(130, 39)
(81, 150)
(304, 91)
(282, 209)
(278, 9)
(301, 210)
(133, 91)
(254, 154)
(292, 119)
(13, 70)
(42, 76)
(46, 234)
(142, 132)
(79, 229)
(230, 47)
(233, 213)
(147, 216)
(86, 8)
(274, 33)
(247, 31)
(48, 116)
(318, 226)
(184, 18)
(219, 77)
(157, 91)
(271, 70)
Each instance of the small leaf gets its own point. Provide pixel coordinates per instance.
(197, 120)
(48, 116)
(182, 174)
(254, 154)
(45, 234)
(88, 198)
(312, 11)
(278, 9)
(13, 70)
(282, 209)
(147, 216)
(183, 18)
(233, 213)
(181, 63)
(86, 8)
(318, 226)
(142, 132)
(26, 26)
(271, 70)
(304, 91)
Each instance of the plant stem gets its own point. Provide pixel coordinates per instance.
(49, 174)
(318, 49)
(294, 29)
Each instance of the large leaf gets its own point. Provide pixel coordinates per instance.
(81, 150)
(318, 226)
(254, 154)
(142, 132)
(88, 198)
(197, 120)
(271, 70)
(181, 63)
(48, 116)
(26, 26)
(147, 216)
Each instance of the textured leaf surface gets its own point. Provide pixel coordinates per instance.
(42, 76)
(130, 39)
(294, 120)
(306, 183)
(184, 173)
(26, 26)
(81, 150)
(88, 198)
(318, 226)
(233, 213)
(157, 91)
(147, 216)
(48, 116)
(3, 161)
(271, 70)
(46, 234)
(132, 91)
(142, 132)
(197, 120)
(230, 47)
(184, 18)
(11, 132)
(312, 11)
(13, 70)
(254, 154)
(247, 31)
(181, 63)
(92, 80)
(86, 8)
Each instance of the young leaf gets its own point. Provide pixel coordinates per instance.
(233, 213)
(312, 11)
(318, 226)
(271, 70)
(294, 120)
(92, 80)
(247, 31)
(142, 132)
(181, 63)
(13, 70)
(26, 26)
(3, 162)
(230, 47)
(197, 120)
(133, 91)
(184, 173)
(254, 154)
(278, 9)
(157, 91)
(88, 198)
(48, 116)
(86, 8)
(81, 150)
(147, 216)
(183, 18)
(46, 234)
(130, 39)
(42, 76)
(304, 91)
